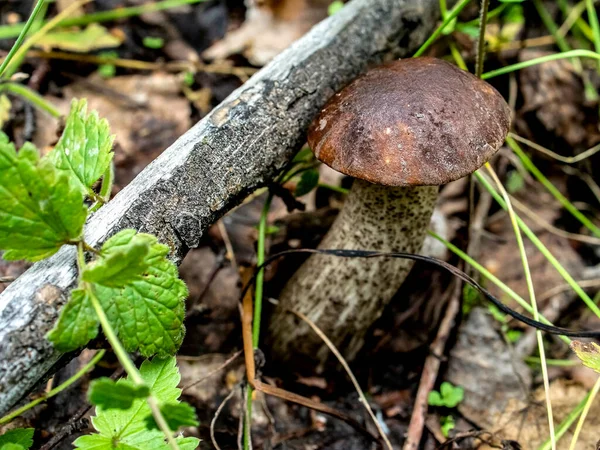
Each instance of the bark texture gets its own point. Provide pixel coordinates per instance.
(237, 148)
(344, 296)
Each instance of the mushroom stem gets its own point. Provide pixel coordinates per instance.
(344, 296)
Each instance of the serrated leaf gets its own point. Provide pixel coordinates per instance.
(110, 394)
(92, 37)
(126, 429)
(84, 150)
(148, 313)
(77, 324)
(39, 209)
(588, 353)
(123, 259)
(177, 415)
(20, 437)
(308, 181)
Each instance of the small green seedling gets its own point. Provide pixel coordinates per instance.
(449, 396)
(153, 42)
(447, 424)
(335, 7)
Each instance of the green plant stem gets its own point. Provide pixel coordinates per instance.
(451, 15)
(39, 34)
(105, 188)
(564, 46)
(458, 59)
(553, 362)
(22, 33)
(483, 11)
(107, 182)
(128, 365)
(542, 59)
(551, 188)
(31, 96)
(491, 14)
(486, 273)
(248, 418)
(258, 298)
(97, 357)
(552, 27)
(260, 276)
(581, 25)
(122, 355)
(584, 413)
(542, 248)
(565, 159)
(593, 19)
(566, 423)
(331, 187)
(10, 31)
(532, 298)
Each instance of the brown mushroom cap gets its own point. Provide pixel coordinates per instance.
(413, 122)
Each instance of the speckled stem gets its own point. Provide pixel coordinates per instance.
(344, 296)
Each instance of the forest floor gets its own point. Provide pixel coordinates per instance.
(133, 73)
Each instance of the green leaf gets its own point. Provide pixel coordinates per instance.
(304, 155)
(513, 335)
(84, 149)
(11, 446)
(452, 395)
(449, 396)
(121, 394)
(514, 182)
(93, 37)
(308, 181)
(177, 415)
(334, 7)
(470, 30)
(126, 429)
(435, 399)
(5, 106)
(123, 259)
(588, 353)
(153, 42)
(17, 438)
(77, 324)
(108, 70)
(148, 313)
(188, 79)
(447, 424)
(39, 209)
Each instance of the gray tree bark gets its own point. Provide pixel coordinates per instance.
(238, 147)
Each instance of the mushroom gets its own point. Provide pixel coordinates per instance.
(401, 130)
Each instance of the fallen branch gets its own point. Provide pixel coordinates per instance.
(237, 148)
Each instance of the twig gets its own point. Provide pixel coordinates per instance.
(346, 367)
(212, 372)
(216, 416)
(275, 391)
(228, 245)
(66, 431)
(430, 371)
